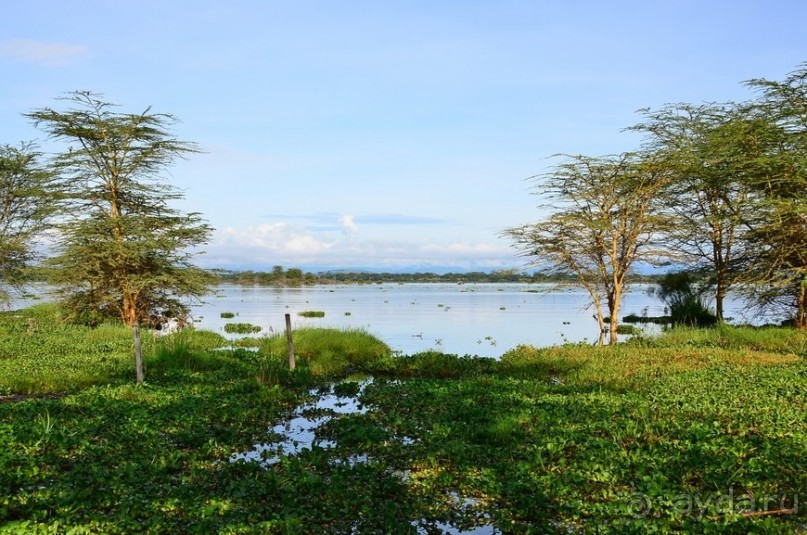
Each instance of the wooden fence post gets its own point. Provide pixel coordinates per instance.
(138, 354)
(292, 363)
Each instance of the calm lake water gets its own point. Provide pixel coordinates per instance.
(465, 319)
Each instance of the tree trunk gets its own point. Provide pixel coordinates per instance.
(720, 295)
(600, 318)
(801, 313)
(129, 314)
(615, 306)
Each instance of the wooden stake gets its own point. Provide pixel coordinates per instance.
(138, 354)
(292, 363)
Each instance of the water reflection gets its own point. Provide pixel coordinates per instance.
(467, 319)
(300, 432)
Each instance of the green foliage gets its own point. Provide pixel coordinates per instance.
(227, 315)
(26, 206)
(332, 352)
(706, 149)
(122, 251)
(177, 353)
(670, 434)
(241, 328)
(312, 314)
(437, 365)
(684, 301)
(630, 330)
(777, 265)
(42, 352)
(663, 457)
(724, 336)
(605, 215)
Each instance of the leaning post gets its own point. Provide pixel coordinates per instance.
(138, 354)
(292, 363)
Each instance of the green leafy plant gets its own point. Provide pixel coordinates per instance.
(241, 328)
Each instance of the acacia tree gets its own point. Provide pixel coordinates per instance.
(604, 218)
(708, 150)
(123, 251)
(24, 210)
(779, 237)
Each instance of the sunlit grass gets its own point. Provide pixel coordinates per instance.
(565, 437)
(329, 352)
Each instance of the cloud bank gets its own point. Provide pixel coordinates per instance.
(263, 246)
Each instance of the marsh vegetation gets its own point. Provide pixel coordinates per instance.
(695, 430)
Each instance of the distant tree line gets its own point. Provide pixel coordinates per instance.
(279, 276)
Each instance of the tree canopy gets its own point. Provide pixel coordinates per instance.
(122, 250)
(603, 221)
(727, 200)
(25, 206)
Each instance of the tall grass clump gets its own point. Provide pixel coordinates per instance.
(180, 354)
(331, 352)
(772, 339)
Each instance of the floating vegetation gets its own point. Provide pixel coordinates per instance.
(241, 328)
(227, 315)
(312, 314)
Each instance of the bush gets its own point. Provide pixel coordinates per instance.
(684, 300)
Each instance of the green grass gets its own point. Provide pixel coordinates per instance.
(680, 433)
(331, 352)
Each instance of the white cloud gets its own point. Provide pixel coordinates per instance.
(32, 51)
(347, 222)
(262, 246)
(279, 238)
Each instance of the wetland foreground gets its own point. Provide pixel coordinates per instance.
(694, 430)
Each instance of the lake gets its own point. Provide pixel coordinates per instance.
(466, 319)
(484, 319)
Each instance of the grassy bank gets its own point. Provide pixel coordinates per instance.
(698, 431)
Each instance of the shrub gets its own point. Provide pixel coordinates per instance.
(684, 300)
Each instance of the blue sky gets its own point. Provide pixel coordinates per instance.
(387, 135)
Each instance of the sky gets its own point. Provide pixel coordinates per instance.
(385, 135)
